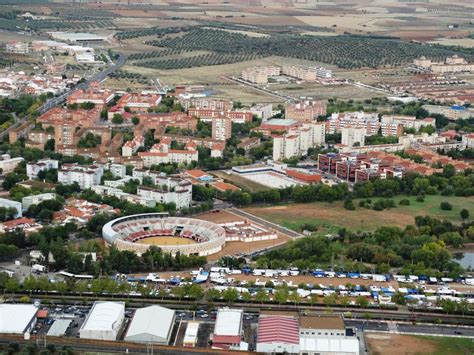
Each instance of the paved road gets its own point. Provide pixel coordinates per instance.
(264, 222)
(100, 76)
(367, 325)
(436, 329)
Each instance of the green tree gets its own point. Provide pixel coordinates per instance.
(262, 297)
(230, 295)
(362, 302)
(464, 213)
(117, 118)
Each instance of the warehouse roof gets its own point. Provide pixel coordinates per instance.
(104, 315)
(228, 322)
(321, 322)
(15, 318)
(154, 320)
(59, 327)
(274, 329)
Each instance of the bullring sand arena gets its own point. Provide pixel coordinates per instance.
(187, 236)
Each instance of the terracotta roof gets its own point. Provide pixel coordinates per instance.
(276, 329)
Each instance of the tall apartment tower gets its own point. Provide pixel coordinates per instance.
(221, 128)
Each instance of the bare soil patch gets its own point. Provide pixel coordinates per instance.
(394, 344)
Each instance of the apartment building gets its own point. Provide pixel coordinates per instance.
(221, 128)
(85, 175)
(262, 111)
(8, 164)
(27, 201)
(115, 192)
(37, 139)
(16, 47)
(117, 170)
(305, 111)
(5, 203)
(307, 73)
(353, 136)
(33, 168)
(206, 115)
(205, 103)
(409, 121)
(179, 195)
(178, 156)
(468, 140)
(99, 97)
(260, 75)
(453, 112)
(454, 64)
(276, 125)
(369, 121)
(131, 147)
(298, 140)
(138, 102)
(217, 147)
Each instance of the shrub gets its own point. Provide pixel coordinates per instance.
(446, 206)
(420, 198)
(404, 202)
(349, 205)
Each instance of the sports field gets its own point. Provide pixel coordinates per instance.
(166, 241)
(329, 217)
(406, 344)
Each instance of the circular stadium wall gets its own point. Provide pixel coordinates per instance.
(187, 236)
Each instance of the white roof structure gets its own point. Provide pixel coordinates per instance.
(59, 327)
(228, 322)
(190, 336)
(151, 324)
(77, 36)
(17, 318)
(104, 321)
(346, 345)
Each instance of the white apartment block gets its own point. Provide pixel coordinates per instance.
(369, 121)
(17, 47)
(298, 140)
(468, 141)
(262, 111)
(111, 191)
(8, 164)
(131, 147)
(221, 128)
(205, 103)
(85, 175)
(409, 121)
(180, 196)
(353, 135)
(117, 170)
(5, 203)
(307, 73)
(117, 183)
(171, 156)
(32, 169)
(27, 201)
(259, 75)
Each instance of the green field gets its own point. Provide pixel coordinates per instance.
(332, 216)
(447, 345)
(240, 181)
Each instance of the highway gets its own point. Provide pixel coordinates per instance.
(100, 76)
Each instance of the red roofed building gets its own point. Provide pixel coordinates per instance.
(304, 176)
(98, 97)
(278, 334)
(139, 102)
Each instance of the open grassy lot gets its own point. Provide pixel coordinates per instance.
(240, 181)
(407, 344)
(331, 216)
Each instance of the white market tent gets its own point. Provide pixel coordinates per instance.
(151, 324)
(104, 321)
(17, 318)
